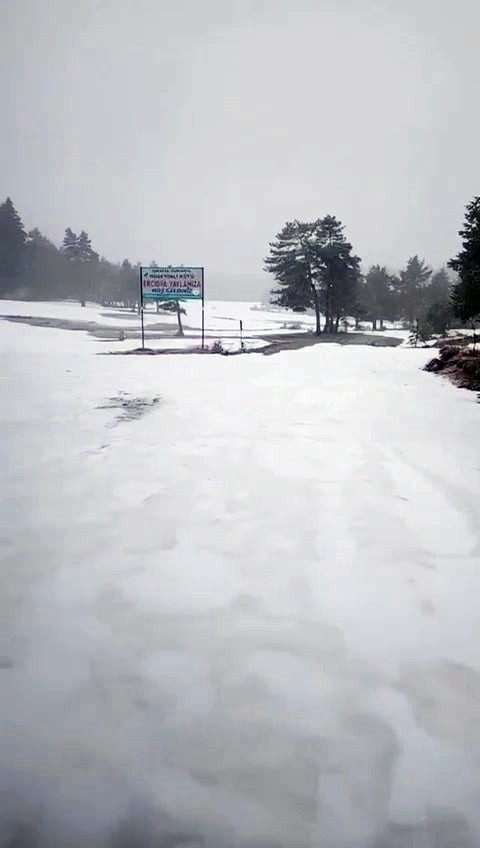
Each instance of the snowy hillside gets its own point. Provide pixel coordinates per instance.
(241, 593)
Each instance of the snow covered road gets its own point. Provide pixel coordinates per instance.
(253, 609)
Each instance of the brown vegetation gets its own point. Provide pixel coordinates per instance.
(460, 365)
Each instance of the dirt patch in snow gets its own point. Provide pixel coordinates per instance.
(461, 366)
(131, 408)
(103, 332)
(271, 344)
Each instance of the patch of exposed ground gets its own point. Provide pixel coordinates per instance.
(274, 342)
(460, 365)
(100, 331)
(130, 407)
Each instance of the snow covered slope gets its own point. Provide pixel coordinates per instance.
(240, 592)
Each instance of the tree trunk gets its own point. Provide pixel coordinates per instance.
(337, 321)
(374, 324)
(381, 324)
(316, 301)
(357, 322)
(318, 328)
(328, 328)
(179, 319)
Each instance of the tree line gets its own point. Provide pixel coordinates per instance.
(315, 268)
(313, 264)
(33, 268)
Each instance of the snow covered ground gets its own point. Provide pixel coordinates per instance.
(239, 596)
(221, 321)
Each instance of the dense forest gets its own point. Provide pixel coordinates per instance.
(313, 264)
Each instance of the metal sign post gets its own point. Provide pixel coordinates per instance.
(141, 310)
(203, 308)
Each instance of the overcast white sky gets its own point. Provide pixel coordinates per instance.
(190, 130)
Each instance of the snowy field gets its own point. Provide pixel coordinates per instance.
(239, 597)
(222, 322)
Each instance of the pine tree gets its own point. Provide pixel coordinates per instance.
(12, 245)
(43, 266)
(129, 283)
(71, 255)
(173, 306)
(315, 268)
(85, 252)
(421, 333)
(338, 272)
(396, 298)
(378, 295)
(80, 258)
(70, 245)
(361, 307)
(88, 263)
(438, 306)
(440, 287)
(106, 287)
(440, 316)
(343, 274)
(466, 292)
(292, 261)
(412, 288)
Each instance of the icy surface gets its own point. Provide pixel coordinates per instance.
(252, 607)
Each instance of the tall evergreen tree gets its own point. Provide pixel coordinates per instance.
(338, 272)
(105, 283)
(466, 292)
(71, 259)
(129, 284)
(314, 267)
(88, 259)
(361, 310)
(378, 295)
(80, 259)
(43, 266)
(438, 312)
(412, 288)
(440, 287)
(86, 254)
(70, 245)
(439, 316)
(292, 261)
(12, 246)
(396, 298)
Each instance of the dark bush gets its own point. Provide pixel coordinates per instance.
(460, 365)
